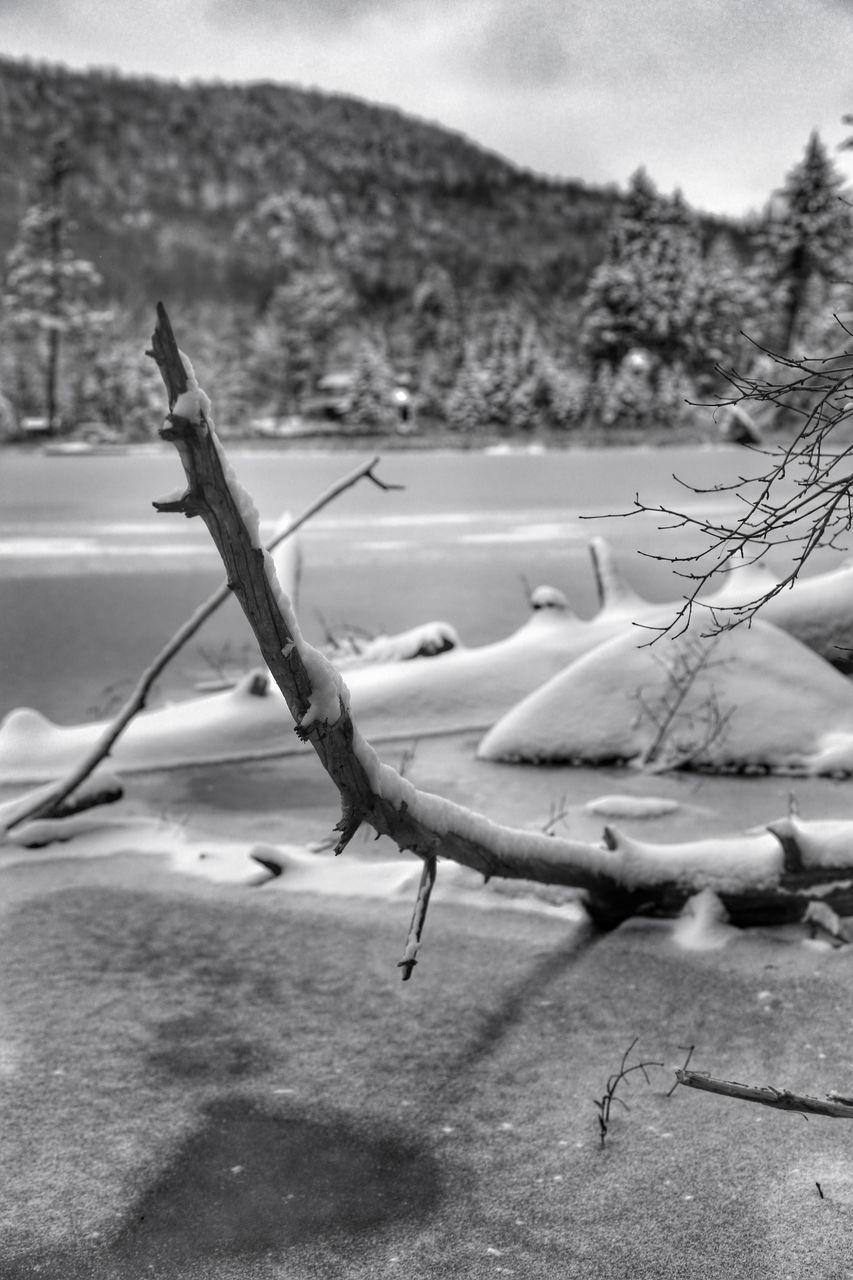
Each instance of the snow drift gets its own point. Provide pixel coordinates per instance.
(752, 697)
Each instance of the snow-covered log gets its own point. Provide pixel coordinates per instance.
(623, 875)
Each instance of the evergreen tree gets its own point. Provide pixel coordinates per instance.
(372, 397)
(646, 292)
(657, 292)
(48, 291)
(467, 407)
(807, 241)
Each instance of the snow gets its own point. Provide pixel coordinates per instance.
(728, 863)
(703, 924)
(761, 700)
(459, 690)
(816, 610)
(426, 640)
(821, 843)
(626, 806)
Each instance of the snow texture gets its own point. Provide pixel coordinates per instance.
(460, 690)
(703, 924)
(619, 806)
(426, 640)
(725, 864)
(761, 700)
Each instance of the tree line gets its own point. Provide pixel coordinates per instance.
(617, 313)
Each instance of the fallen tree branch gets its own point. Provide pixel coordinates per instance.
(49, 802)
(315, 693)
(834, 1105)
(619, 876)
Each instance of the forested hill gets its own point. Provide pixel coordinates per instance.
(166, 181)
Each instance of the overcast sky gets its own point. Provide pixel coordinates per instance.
(715, 96)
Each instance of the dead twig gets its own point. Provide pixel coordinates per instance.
(604, 1104)
(835, 1105)
(413, 938)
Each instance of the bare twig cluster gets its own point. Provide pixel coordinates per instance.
(604, 1104)
(680, 735)
(801, 500)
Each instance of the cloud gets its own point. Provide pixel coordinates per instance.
(716, 96)
(517, 42)
(313, 15)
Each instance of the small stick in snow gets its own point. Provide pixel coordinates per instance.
(413, 939)
(835, 1105)
(688, 1048)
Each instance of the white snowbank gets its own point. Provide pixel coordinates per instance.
(761, 699)
(625, 806)
(460, 690)
(290, 868)
(703, 924)
(426, 640)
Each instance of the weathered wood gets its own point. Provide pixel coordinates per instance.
(618, 881)
(492, 850)
(836, 1106)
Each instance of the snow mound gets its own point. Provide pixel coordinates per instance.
(750, 698)
(456, 691)
(426, 640)
(625, 806)
(703, 924)
(818, 610)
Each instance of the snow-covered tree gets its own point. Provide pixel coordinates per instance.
(290, 346)
(807, 242)
(647, 291)
(467, 407)
(49, 290)
(372, 396)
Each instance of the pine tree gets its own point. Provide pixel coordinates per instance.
(647, 290)
(657, 292)
(807, 241)
(467, 407)
(48, 292)
(372, 396)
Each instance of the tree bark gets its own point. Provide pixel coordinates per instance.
(781, 1099)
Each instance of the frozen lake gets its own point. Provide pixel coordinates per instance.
(93, 581)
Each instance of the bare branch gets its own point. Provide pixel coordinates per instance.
(834, 1105)
(619, 876)
(47, 803)
(800, 501)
